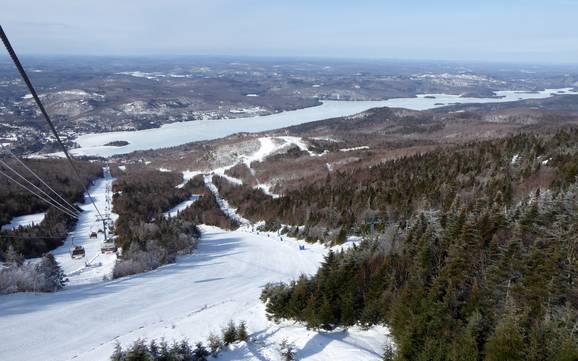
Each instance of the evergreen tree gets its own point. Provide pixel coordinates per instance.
(53, 274)
(242, 334)
(230, 333)
(200, 352)
(12, 258)
(507, 342)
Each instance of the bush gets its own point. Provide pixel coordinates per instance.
(215, 344)
(46, 276)
(242, 334)
(141, 351)
(229, 333)
(287, 350)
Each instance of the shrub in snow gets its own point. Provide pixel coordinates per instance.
(287, 350)
(229, 333)
(242, 334)
(46, 276)
(152, 351)
(215, 344)
(388, 353)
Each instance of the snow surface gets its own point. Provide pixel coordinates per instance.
(174, 134)
(24, 221)
(197, 295)
(354, 148)
(95, 265)
(267, 147)
(173, 212)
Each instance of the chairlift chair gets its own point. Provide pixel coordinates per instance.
(108, 247)
(77, 252)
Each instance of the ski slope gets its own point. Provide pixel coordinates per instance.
(24, 221)
(189, 299)
(95, 265)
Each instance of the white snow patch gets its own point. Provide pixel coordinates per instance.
(353, 149)
(24, 221)
(223, 204)
(173, 212)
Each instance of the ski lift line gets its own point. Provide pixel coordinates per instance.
(24, 77)
(37, 195)
(39, 179)
(71, 209)
(54, 201)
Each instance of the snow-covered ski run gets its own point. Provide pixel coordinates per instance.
(220, 281)
(189, 299)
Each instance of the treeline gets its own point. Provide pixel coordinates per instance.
(163, 351)
(18, 276)
(465, 268)
(396, 189)
(15, 201)
(142, 195)
(205, 210)
(148, 238)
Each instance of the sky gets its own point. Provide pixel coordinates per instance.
(529, 31)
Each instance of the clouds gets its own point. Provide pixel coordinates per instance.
(509, 30)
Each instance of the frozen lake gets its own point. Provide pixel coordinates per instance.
(170, 135)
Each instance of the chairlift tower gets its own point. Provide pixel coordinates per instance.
(372, 221)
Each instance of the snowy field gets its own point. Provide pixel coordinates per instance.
(174, 134)
(222, 280)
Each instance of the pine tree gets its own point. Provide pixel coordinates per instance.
(200, 352)
(507, 342)
(53, 274)
(287, 350)
(242, 334)
(229, 333)
(388, 353)
(12, 258)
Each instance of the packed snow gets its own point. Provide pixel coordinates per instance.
(174, 134)
(24, 221)
(353, 149)
(173, 212)
(199, 294)
(94, 266)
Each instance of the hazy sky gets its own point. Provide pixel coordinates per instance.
(509, 30)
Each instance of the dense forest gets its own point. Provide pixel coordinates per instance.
(475, 257)
(147, 237)
(49, 234)
(394, 190)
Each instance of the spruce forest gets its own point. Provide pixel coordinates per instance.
(475, 258)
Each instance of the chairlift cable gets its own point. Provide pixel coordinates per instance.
(37, 195)
(24, 77)
(39, 178)
(54, 201)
